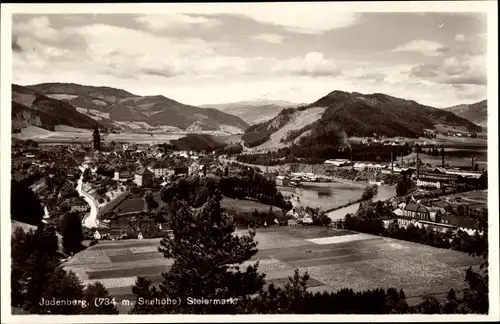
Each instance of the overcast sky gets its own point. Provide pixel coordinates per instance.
(293, 52)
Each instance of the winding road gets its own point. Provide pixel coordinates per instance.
(90, 220)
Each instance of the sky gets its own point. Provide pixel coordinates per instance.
(294, 52)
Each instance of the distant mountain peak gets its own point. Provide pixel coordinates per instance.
(254, 111)
(475, 112)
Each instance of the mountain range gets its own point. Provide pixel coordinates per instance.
(476, 112)
(334, 117)
(84, 106)
(274, 123)
(254, 111)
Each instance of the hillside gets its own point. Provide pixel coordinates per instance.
(30, 108)
(121, 109)
(476, 112)
(350, 114)
(254, 111)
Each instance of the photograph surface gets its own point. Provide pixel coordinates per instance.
(273, 158)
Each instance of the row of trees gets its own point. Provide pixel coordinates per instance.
(368, 220)
(321, 147)
(37, 276)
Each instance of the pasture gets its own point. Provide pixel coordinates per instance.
(334, 259)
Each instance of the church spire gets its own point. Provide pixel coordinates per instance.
(97, 138)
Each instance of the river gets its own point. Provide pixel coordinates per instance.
(383, 193)
(90, 220)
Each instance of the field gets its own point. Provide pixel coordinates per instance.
(474, 199)
(245, 206)
(129, 205)
(66, 135)
(334, 259)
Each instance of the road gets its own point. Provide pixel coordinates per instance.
(90, 220)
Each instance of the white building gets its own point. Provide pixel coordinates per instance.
(423, 183)
(338, 162)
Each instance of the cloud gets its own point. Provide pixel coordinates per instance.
(38, 32)
(427, 48)
(269, 38)
(460, 37)
(176, 21)
(373, 76)
(454, 70)
(306, 18)
(312, 64)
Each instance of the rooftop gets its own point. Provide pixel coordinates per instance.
(143, 171)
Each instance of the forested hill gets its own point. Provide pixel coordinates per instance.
(355, 114)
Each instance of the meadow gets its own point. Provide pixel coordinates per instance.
(334, 259)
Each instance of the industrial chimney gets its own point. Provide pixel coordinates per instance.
(352, 161)
(417, 148)
(472, 162)
(392, 164)
(402, 158)
(442, 156)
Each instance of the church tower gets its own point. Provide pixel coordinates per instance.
(97, 139)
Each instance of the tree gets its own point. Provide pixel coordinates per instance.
(150, 201)
(369, 192)
(145, 292)
(206, 258)
(25, 206)
(86, 175)
(429, 305)
(65, 290)
(72, 232)
(450, 304)
(34, 260)
(104, 305)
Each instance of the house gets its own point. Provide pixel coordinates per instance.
(97, 235)
(161, 170)
(386, 221)
(79, 205)
(140, 236)
(405, 221)
(181, 171)
(432, 184)
(416, 211)
(435, 178)
(398, 212)
(122, 175)
(292, 222)
(144, 177)
(282, 181)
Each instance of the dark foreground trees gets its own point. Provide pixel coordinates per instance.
(207, 258)
(38, 279)
(72, 231)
